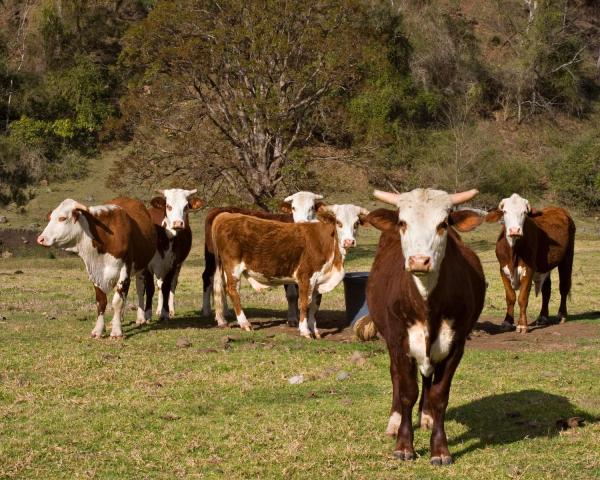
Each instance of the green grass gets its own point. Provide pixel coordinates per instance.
(72, 407)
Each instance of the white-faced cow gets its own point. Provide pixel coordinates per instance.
(425, 291)
(532, 243)
(169, 213)
(299, 207)
(269, 253)
(115, 241)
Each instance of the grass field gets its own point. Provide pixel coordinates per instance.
(73, 407)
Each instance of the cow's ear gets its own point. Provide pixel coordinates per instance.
(383, 219)
(285, 207)
(158, 202)
(494, 216)
(465, 220)
(326, 216)
(534, 212)
(363, 219)
(195, 203)
(319, 206)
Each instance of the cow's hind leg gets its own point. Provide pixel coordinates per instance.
(119, 301)
(101, 302)
(210, 267)
(312, 311)
(164, 292)
(546, 291)
(438, 401)
(234, 294)
(160, 300)
(149, 284)
(140, 287)
(172, 289)
(291, 294)
(565, 271)
(304, 299)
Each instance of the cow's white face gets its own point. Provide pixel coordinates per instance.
(514, 211)
(177, 204)
(424, 216)
(303, 206)
(63, 227)
(348, 218)
(423, 226)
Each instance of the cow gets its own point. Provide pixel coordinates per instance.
(269, 253)
(425, 292)
(169, 212)
(530, 245)
(299, 207)
(116, 241)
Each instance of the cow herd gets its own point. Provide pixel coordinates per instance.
(425, 292)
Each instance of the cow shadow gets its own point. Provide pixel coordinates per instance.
(591, 315)
(510, 417)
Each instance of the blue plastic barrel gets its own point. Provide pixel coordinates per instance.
(355, 286)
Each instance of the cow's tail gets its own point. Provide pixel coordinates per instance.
(365, 329)
(218, 289)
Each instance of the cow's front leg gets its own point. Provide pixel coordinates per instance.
(119, 301)
(101, 302)
(526, 280)
(140, 288)
(438, 401)
(395, 416)
(403, 368)
(312, 310)
(234, 294)
(291, 294)
(511, 298)
(160, 300)
(164, 290)
(149, 285)
(304, 298)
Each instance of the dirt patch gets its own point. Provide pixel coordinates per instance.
(487, 334)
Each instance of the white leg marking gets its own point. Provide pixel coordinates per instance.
(206, 301)
(393, 424)
(312, 321)
(99, 328)
(159, 305)
(118, 304)
(172, 295)
(243, 321)
(140, 288)
(303, 327)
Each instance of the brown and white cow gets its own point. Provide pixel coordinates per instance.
(425, 291)
(115, 241)
(299, 207)
(531, 244)
(270, 253)
(169, 213)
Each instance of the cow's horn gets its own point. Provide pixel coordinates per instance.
(462, 197)
(80, 206)
(318, 197)
(364, 211)
(387, 197)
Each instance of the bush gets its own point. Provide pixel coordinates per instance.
(576, 174)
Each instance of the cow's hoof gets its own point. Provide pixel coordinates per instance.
(441, 460)
(306, 335)
(95, 334)
(562, 319)
(140, 323)
(426, 421)
(117, 336)
(317, 335)
(542, 320)
(246, 327)
(404, 454)
(522, 329)
(163, 318)
(292, 323)
(171, 314)
(507, 326)
(206, 313)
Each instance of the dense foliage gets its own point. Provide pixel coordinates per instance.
(235, 97)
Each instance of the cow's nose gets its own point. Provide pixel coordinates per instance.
(178, 224)
(419, 263)
(515, 232)
(349, 242)
(41, 240)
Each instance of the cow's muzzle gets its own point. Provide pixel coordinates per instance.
(419, 264)
(178, 225)
(41, 240)
(349, 242)
(515, 232)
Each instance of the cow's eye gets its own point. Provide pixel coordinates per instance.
(339, 224)
(356, 224)
(62, 219)
(169, 208)
(293, 209)
(442, 226)
(402, 224)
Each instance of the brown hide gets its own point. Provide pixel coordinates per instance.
(546, 239)
(273, 248)
(212, 214)
(126, 232)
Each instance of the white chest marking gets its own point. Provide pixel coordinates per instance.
(162, 265)
(418, 338)
(103, 269)
(443, 343)
(516, 281)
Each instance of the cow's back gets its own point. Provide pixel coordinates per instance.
(142, 237)
(558, 233)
